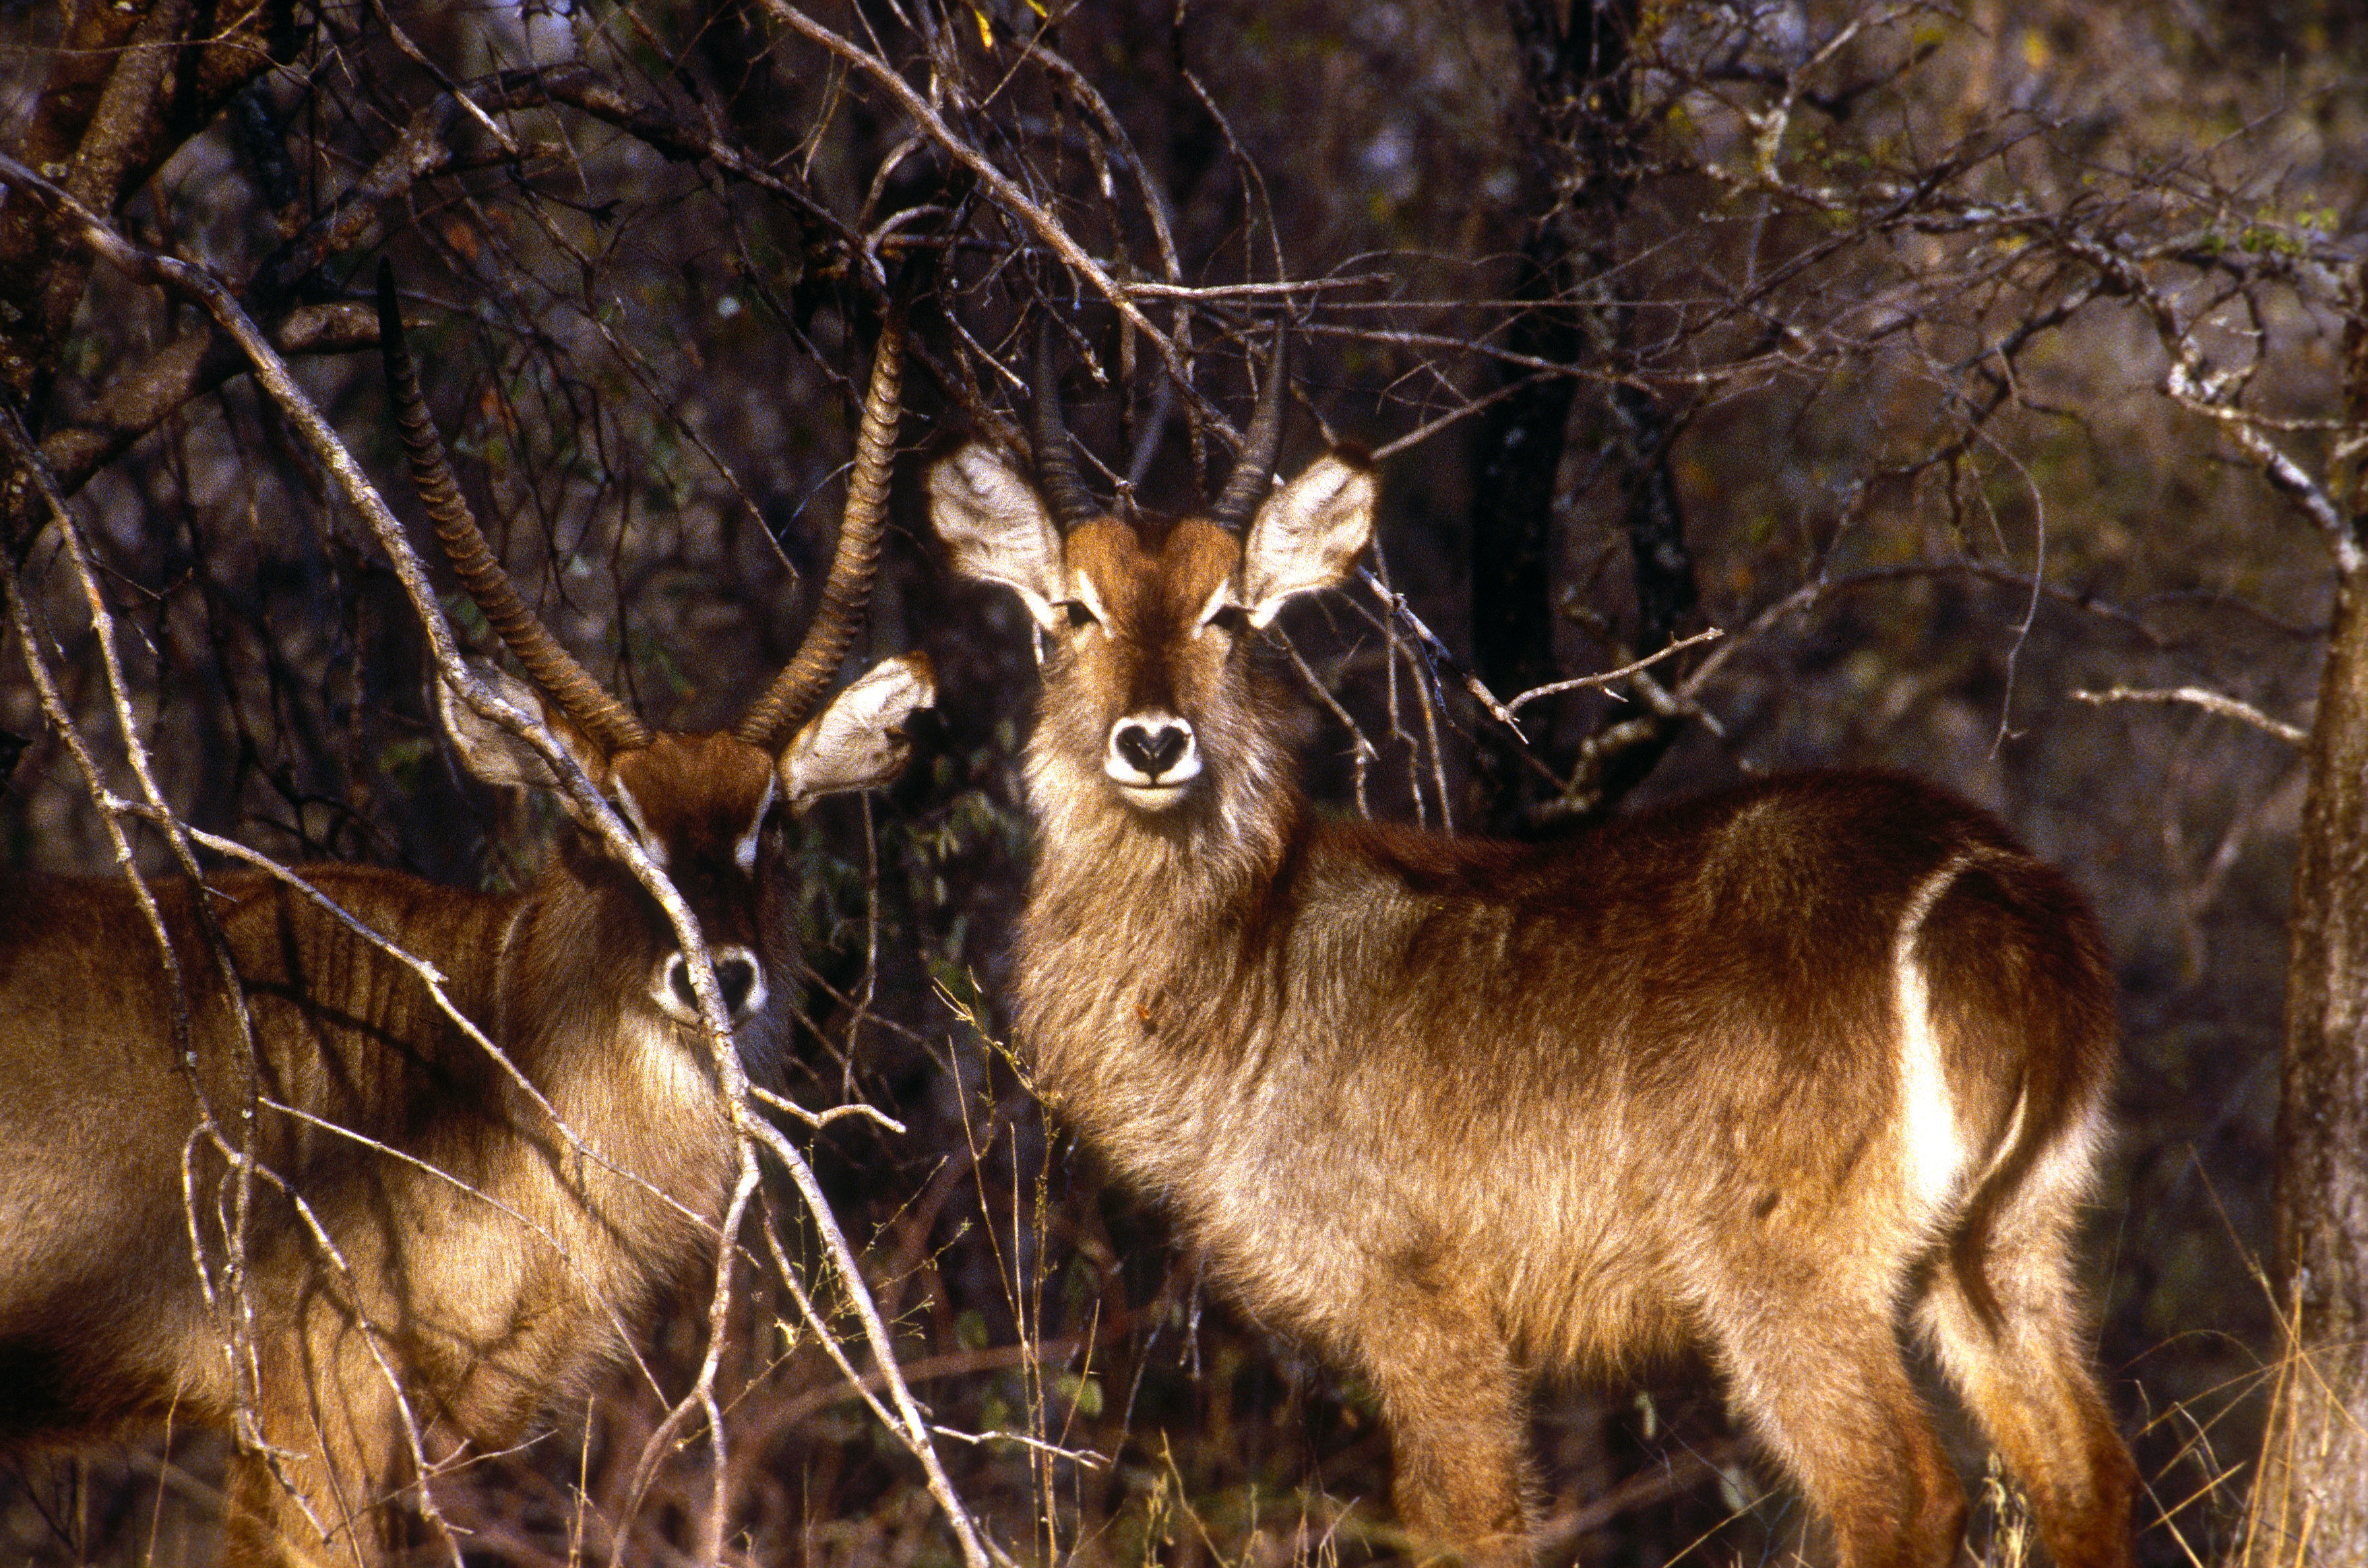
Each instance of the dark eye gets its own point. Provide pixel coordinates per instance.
(1230, 620)
(1079, 616)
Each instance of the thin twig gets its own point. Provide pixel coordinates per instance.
(1708, 634)
(824, 1118)
(1394, 602)
(999, 186)
(2210, 701)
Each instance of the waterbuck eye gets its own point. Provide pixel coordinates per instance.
(1079, 616)
(1230, 620)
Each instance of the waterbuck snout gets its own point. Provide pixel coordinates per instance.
(1777, 1072)
(282, 1187)
(1152, 754)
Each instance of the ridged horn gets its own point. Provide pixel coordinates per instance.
(1058, 479)
(1253, 474)
(849, 588)
(607, 722)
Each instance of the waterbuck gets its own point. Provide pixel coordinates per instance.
(416, 1252)
(1757, 1074)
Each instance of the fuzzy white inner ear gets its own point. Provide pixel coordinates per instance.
(498, 755)
(1306, 535)
(855, 743)
(997, 528)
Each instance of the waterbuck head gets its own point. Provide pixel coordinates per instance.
(1155, 706)
(708, 809)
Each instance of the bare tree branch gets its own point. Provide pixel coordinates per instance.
(2210, 701)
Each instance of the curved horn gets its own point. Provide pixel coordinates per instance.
(1253, 473)
(1056, 466)
(607, 722)
(849, 588)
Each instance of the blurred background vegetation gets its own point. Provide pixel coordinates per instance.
(1956, 361)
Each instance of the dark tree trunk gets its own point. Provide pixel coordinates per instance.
(1516, 459)
(128, 84)
(1576, 60)
(2311, 1504)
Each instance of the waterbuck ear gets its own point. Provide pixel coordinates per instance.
(857, 742)
(997, 528)
(1306, 534)
(494, 754)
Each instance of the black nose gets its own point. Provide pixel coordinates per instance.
(735, 975)
(1152, 752)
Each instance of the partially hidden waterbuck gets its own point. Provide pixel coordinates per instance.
(419, 1249)
(1762, 1074)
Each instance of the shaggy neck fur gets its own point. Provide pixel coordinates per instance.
(1194, 897)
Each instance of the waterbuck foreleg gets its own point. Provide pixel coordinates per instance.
(1453, 1402)
(337, 1485)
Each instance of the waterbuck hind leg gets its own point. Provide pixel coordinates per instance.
(1455, 1405)
(2008, 1323)
(1823, 1384)
(298, 1513)
(2002, 1309)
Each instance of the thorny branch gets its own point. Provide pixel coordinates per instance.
(2123, 263)
(1003, 190)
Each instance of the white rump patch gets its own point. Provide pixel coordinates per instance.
(1932, 1140)
(2068, 1164)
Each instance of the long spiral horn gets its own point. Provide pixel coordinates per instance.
(849, 588)
(1063, 488)
(1253, 474)
(607, 722)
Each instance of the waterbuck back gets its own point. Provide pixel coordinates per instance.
(1763, 1072)
(281, 1186)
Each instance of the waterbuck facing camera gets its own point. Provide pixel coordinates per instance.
(1763, 1072)
(386, 1239)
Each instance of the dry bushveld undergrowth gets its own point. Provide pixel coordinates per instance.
(1990, 378)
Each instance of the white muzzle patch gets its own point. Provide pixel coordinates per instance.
(737, 971)
(1151, 756)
